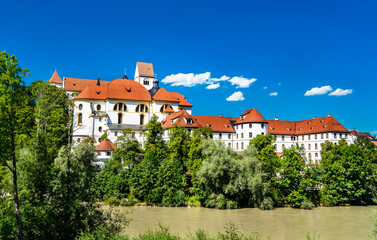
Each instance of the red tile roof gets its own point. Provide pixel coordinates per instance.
(362, 134)
(217, 123)
(117, 89)
(309, 126)
(179, 119)
(78, 85)
(145, 69)
(55, 78)
(106, 145)
(168, 110)
(251, 116)
(163, 95)
(374, 142)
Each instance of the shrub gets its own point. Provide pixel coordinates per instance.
(307, 204)
(220, 202)
(231, 204)
(113, 201)
(193, 202)
(267, 204)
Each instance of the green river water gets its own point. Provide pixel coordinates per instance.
(282, 223)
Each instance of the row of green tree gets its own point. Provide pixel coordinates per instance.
(46, 185)
(193, 169)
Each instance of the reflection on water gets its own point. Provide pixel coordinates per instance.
(282, 223)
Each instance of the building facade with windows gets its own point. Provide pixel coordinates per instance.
(112, 106)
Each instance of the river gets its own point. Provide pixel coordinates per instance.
(331, 223)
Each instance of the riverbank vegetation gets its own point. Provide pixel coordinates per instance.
(50, 189)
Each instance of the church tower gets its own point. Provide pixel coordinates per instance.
(144, 74)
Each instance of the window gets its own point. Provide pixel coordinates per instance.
(115, 133)
(310, 156)
(262, 133)
(322, 136)
(78, 140)
(141, 119)
(309, 148)
(146, 82)
(237, 127)
(241, 135)
(108, 153)
(189, 121)
(120, 118)
(282, 138)
(283, 147)
(229, 145)
(250, 135)
(100, 129)
(340, 135)
(163, 107)
(242, 126)
(120, 107)
(99, 140)
(79, 121)
(141, 108)
(334, 135)
(262, 125)
(220, 135)
(229, 136)
(237, 146)
(100, 119)
(308, 137)
(303, 146)
(316, 155)
(292, 138)
(327, 136)
(315, 136)
(250, 125)
(276, 147)
(98, 107)
(80, 107)
(316, 146)
(241, 146)
(237, 135)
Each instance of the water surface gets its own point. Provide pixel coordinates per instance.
(331, 223)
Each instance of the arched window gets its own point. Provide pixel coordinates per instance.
(310, 156)
(163, 107)
(309, 146)
(100, 129)
(79, 122)
(120, 107)
(142, 108)
(303, 146)
(283, 146)
(141, 119)
(250, 125)
(237, 146)
(316, 155)
(80, 107)
(241, 145)
(98, 107)
(120, 118)
(229, 145)
(316, 146)
(146, 81)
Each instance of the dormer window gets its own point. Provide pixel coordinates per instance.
(189, 121)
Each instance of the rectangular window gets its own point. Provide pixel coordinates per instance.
(220, 136)
(115, 133)
(282, 138)
(335, 135)
(315, 136)
(321, 136)
(262, 125)
(242, 126)
(308, 137)
(237, 135)
(229, 136)
(241, 135)
(303, 137)
(250, 135)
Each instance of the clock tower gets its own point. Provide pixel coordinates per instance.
(144, 74)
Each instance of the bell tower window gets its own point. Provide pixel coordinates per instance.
(120, 118)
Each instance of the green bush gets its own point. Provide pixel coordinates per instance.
(307, 204)
(267, 204)
(113, 201)
(221, 202)
(231, 204)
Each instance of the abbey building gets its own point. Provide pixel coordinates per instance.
(113, 106)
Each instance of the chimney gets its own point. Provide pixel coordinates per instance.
(125, 74)
(98, 82)
(276, 118)
(328, 115)
(314, 117)
(221, 115)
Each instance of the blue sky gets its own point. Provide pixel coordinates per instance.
(290, 47)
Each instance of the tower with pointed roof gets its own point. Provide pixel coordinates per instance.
(56, 80)
(144, 74)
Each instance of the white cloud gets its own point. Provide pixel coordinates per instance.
(273, 94)
(242, 82)
(223, 78)
(318, 91)
(187, 80)
(237, 96)
(341, 92)
(265, 88)
(213, 86)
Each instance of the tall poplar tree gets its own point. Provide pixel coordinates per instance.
(12, 102)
